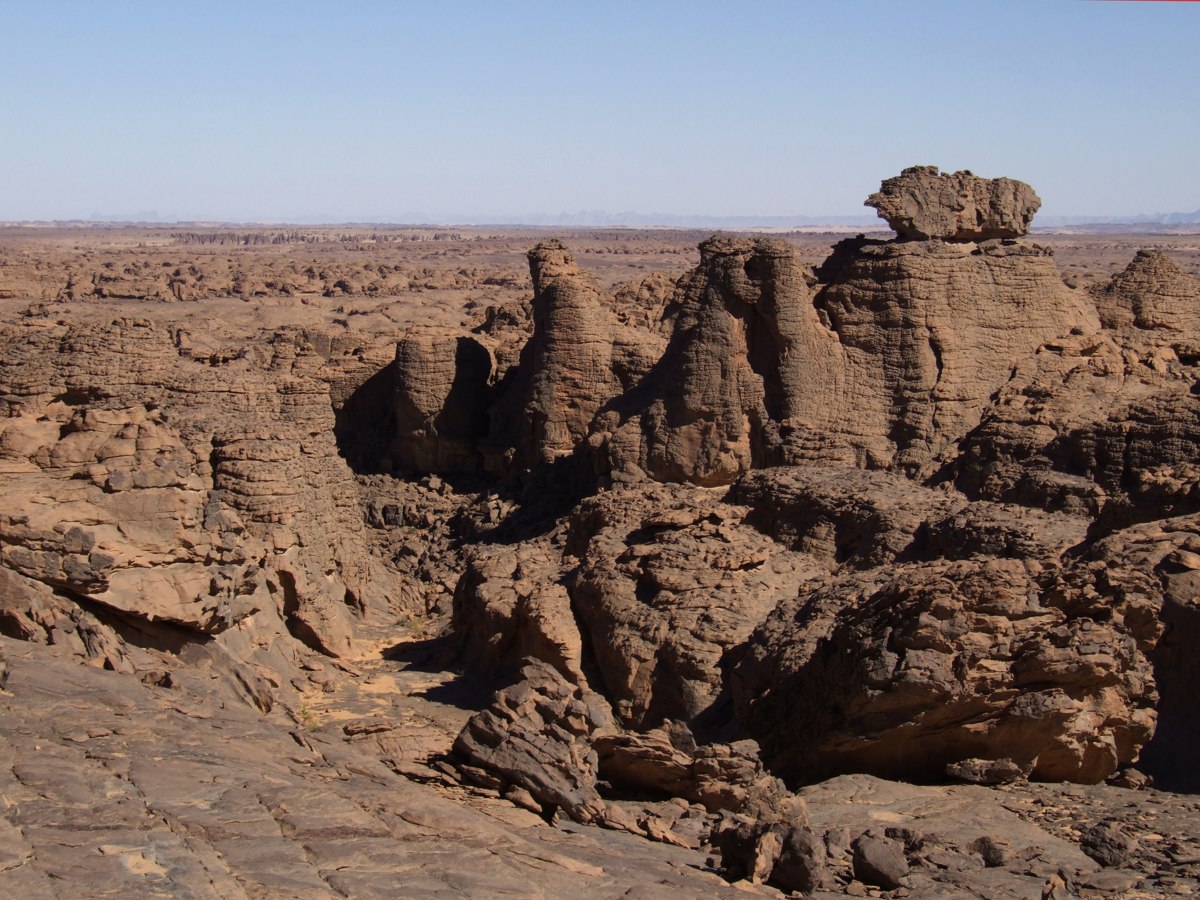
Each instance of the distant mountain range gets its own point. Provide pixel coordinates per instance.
(604, 219)
(1179, 218)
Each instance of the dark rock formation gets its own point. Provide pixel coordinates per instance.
(710, 408)
(902, 672)
(536, 736)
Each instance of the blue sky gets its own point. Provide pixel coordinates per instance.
(371, 110)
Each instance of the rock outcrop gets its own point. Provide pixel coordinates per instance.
(536, 737)
(1152, 293)
(566, 369)
(709, 410)
(669, 582)
(1105, 426)
(900, 673)
(922, 511)
(920, 204)
(442, 384)
(200, 495)
(930, 331)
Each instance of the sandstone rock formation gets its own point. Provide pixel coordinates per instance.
(707, 411)
(930, 331)
(205, 496)
(920, 204)
(566, 368)
(442, 389)
(904, 672)
(536, 737)
(1103, 426)
(1151, 293)
(922, 511)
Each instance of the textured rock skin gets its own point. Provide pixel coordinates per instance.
(920, 204)
(668, 582)
(920, 606)
(906, 672)
(566, 369)
(884, 365)
(930, 332)
(1105, 426)
(705, 413)
(442, 389)
(510, 604)
(1151, 293)
(536, 736)
(872, 623)
(181, 493)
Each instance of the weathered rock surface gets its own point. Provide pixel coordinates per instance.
(884, 365)
(1144, 580)
(911, 512)
(201, 495)
(1102, 426)
(566, 370)
(669, 582)
(536, 737)
(929, 332)
(1152, 293)
(667, 760)
(442, 390)
(133, 789)
(907, 670)
(921, 203)
(510, 604)
(704, 413)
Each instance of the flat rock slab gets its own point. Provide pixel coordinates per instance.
(162, 803)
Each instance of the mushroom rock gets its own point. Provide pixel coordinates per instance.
(921, 203)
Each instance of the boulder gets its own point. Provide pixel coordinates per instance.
(904, 671)
(669, 583)
(536, 735)
(921, 203)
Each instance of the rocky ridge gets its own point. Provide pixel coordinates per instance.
(735, 544)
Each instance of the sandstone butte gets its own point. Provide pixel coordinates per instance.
(879, 575)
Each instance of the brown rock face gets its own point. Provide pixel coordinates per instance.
(928, 333)
(1104, 425)
(566, 369)
(442, 392)
(669, 581)
(885, 366)
(733, 371)
(536, 736)
(207, 496)
(900, 673)
(920, 204)
(1152, 292)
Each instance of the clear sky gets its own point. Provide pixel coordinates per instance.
(373, 110)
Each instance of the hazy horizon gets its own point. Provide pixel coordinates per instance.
(378, 112)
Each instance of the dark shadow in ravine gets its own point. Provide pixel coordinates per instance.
(365, 423)
(1170, 756)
